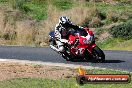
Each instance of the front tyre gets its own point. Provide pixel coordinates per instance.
(67, 57)
(98, 55)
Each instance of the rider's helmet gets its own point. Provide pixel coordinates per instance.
(64, 21)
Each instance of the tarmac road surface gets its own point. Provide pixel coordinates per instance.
(119, 60)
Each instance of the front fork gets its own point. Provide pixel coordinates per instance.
(90, 48)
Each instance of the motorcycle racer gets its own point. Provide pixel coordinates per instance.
(62, 30)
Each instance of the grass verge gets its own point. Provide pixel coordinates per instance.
(115, 44)
(62, 83)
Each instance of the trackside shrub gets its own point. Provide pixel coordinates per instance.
(122, 31)
(62, 4)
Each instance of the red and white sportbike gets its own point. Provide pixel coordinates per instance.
(79, 47)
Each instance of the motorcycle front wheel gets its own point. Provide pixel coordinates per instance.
(98, 55)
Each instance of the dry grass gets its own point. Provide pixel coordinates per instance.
(95, 22)
(77, 15)
(25, 30)
(127, 45)
(1, 21)
(11, 70)
(30, 32)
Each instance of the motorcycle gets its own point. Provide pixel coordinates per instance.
(78, 47)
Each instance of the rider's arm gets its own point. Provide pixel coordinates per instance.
(57, 32)
(58, 35)
(75, 26)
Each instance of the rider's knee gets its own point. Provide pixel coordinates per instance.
(61, 49)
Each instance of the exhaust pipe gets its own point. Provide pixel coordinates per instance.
(54, 48)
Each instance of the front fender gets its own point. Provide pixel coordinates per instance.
(90, 48)
(93, 45)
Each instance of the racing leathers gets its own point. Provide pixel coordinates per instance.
(61, 34)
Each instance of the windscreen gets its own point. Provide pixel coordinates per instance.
(81, 32)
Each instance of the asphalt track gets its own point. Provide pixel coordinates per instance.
(119, 60)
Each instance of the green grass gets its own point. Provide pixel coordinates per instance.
(115, 11)
(62, 83)
(37, 11)
(34, 9)
(115, 44)
(63, 4)
(105, 7)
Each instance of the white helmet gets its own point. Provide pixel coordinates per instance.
(64, 20)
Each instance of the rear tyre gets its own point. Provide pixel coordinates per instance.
(98, 55)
